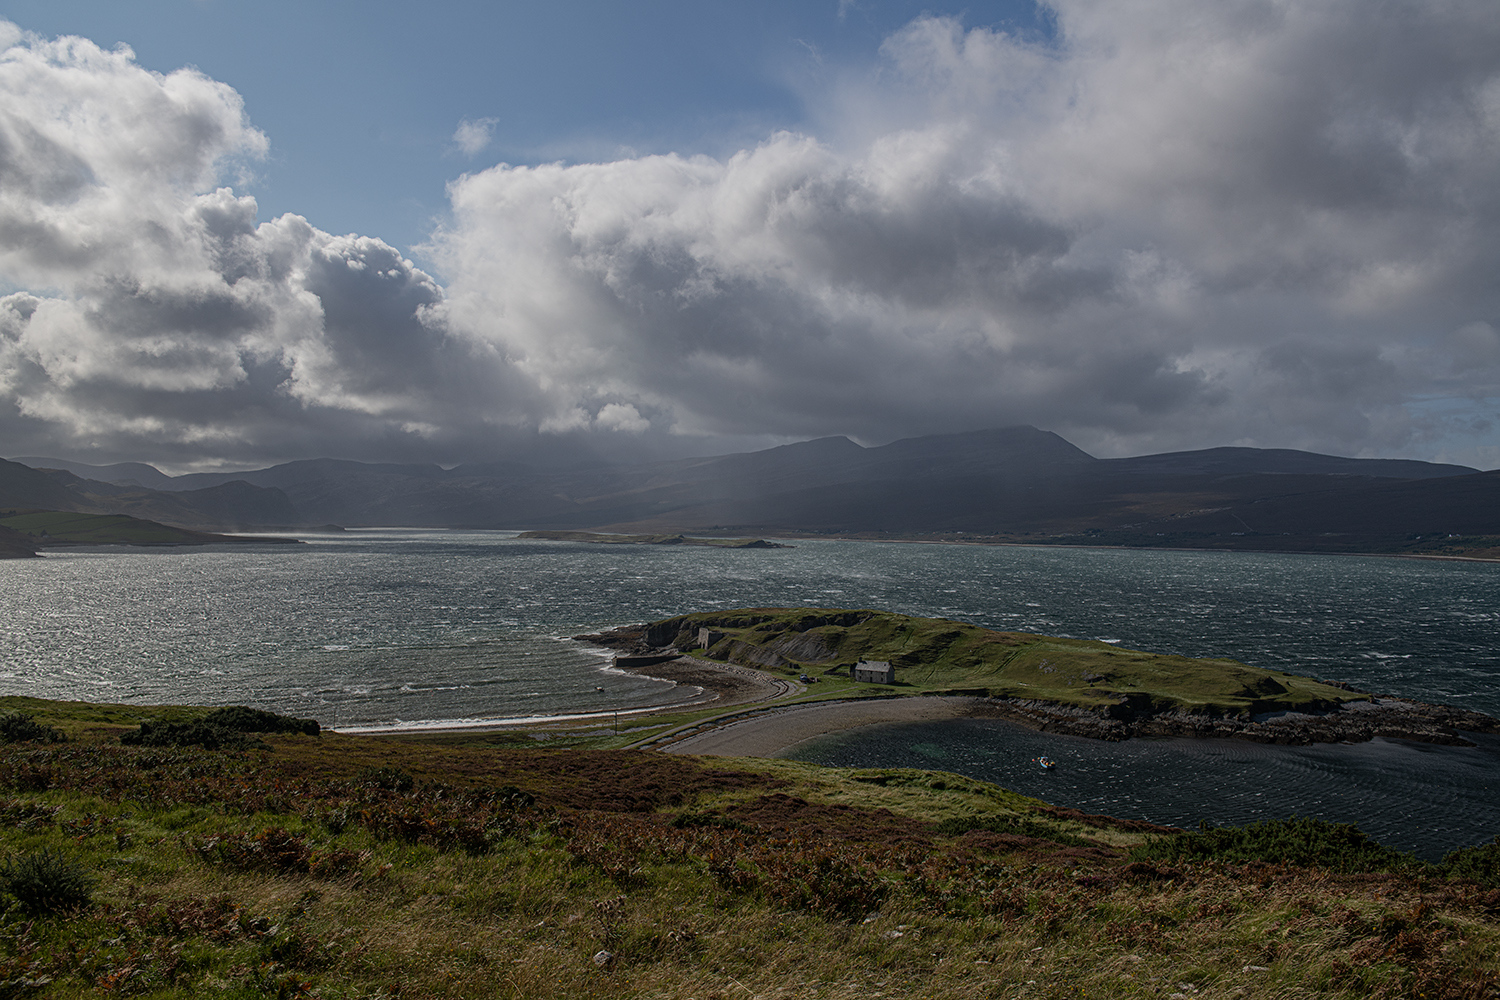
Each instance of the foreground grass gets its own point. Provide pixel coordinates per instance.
(339, 866)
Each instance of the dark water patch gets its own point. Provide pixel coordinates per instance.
(1417, 797)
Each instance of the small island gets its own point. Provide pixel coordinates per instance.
(608, 539)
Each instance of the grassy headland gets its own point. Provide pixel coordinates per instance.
(933, 655)
(55, 527)
(1084, 687)
(341, 867)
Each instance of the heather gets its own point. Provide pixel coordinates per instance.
(343, 867)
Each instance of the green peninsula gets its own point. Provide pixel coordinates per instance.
(934, 655)
(1079, 686)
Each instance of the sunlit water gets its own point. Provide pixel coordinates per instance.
(374, 628)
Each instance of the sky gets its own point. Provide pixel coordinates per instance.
(236, 234)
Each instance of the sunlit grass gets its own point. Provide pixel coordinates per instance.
(935, 655)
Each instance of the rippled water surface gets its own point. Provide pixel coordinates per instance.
(377, 627)
(1412, 796)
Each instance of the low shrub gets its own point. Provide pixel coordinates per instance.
(47, 881)
(189, 734)
(21, 727)
(822, 879)
(472, 824)
(1480, 864)
(25, 815)
(254, 720)
(1018, 826)
(690, 820)
(274, 849)
(390, 779)
(222, 729)
(1301, 841)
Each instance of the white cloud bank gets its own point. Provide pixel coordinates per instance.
(1179, 225)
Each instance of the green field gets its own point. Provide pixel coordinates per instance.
(65, 527)
(934, 655)
(57, 528)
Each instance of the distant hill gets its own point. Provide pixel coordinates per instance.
(1280, 461)
(1005, 484)
(232, 506)
(119, 474)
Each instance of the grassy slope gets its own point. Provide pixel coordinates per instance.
(15, 544)
(282, 874)
(935, 654)
(97, 529)
(69, 528)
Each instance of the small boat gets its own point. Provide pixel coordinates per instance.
(1046, 763)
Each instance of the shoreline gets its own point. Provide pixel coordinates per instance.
(744, 710)
(1137, 548)
(744, 729)
(725, 685)
(774, 731)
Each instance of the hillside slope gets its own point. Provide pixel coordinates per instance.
(1011, 484)
(51, 528)
(229, 506)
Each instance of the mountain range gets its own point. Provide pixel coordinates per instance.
(1007, 484)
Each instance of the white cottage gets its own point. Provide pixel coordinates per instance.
(874, 672)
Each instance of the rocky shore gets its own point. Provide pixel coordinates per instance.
(1351, 722)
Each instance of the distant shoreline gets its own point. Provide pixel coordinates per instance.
(907, 540)
(614, 538)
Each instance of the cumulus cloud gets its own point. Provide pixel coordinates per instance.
(1259, 222)
(1172, 225)
(168, 323)
(473, 136)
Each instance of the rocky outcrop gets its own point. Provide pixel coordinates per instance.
(682, 631)
(1351, 722)
(664, 638)
(628, 640)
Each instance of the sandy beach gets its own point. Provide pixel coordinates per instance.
(769, 733)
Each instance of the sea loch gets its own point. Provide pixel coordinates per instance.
(395, 627)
